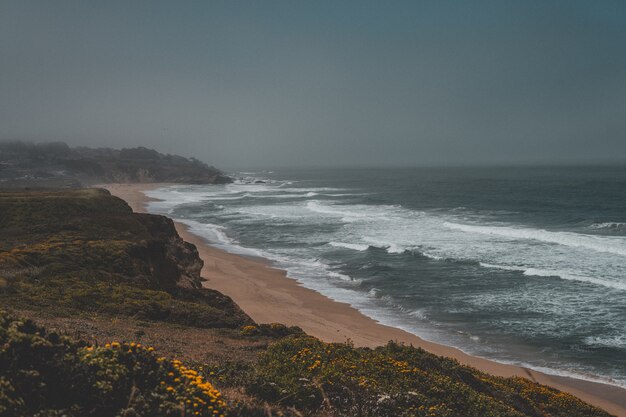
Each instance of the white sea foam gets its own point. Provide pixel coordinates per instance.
(310, 189)
(373, 292)
(388, 246)
(343, 277)
(558, 274)
(609, 244)
(343, 194)
(166, 198)
(217, 236)
(226, 197)
(615, 341)
(353, 246)
(347, 212)
(504, 267)
(395, 249)
(432, 255)
(318, 207)
(284, 196)
(614, 226)
(419, 314)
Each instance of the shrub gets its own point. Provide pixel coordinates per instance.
(47, 375)
(275, 330)
(396, 380)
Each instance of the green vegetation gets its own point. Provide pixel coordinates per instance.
(397, 380)
(44, 374)
(274, 330)
(84, 251)
(70, 295)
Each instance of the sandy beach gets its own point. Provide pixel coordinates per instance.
(268, 295)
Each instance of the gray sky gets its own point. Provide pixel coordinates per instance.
(321, 83)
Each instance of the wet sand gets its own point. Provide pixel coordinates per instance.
(267, 295)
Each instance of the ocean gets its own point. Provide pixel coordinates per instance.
(520, 265)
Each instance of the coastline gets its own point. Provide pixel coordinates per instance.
(267, 295)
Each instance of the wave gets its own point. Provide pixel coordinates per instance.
(432, 255)
(353, 246)
(175, 196)
(394, 248)
(608, 244)
(289, 195)
(612, 226)
(616, 341)
(185, 198)
(229, 196)
(216, 235)
(342, 277)
(221, 197)
(348, 213)
(373, 292)
(389, 247)
(343, 194)
(317, 207)
(529, 271)
(309, 189)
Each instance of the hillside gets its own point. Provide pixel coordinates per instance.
(55, 164)
(84, 250)
(128, 330)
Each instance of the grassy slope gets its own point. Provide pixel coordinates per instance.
(82, 263)
(85, 251)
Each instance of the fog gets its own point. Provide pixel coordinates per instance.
(321, 83)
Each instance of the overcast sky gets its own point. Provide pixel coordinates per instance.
(321, 83)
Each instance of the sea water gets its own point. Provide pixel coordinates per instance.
(520, 265)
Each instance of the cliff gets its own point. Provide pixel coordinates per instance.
(86, 250)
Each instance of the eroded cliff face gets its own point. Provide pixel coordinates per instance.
(172, 261)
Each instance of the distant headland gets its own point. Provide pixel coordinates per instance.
(55, 164)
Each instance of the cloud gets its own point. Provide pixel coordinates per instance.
(288, 84)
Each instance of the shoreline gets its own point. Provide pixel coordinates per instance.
(267, 295)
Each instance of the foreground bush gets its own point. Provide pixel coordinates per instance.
(44, 374)
(395, 380)
(271, 330)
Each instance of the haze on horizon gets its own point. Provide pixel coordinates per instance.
(325, 83)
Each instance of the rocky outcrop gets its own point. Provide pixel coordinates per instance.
(172, 261)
